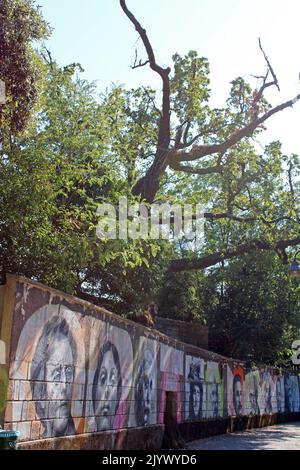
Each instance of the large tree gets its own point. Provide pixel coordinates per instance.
(74, 156)
(211, 154)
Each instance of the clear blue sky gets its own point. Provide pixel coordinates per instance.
(97, 34)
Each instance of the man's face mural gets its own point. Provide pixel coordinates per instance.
(59, 377)
(52, 377)
(237, 395)
(107, 387)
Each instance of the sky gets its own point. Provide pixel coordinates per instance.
(98, 35)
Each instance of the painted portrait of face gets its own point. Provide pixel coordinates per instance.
(195, 392)
(52, 377)
(107, 387)
(144, 389)
(253, 394)
(288, 394)
(280, 394)
(291, 393)
(237, 395)
(214, 390)
(267, 392)
(196, 399)
(213, 397)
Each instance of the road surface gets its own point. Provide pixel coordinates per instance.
(279, 437)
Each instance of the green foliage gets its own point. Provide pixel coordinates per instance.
(65, 165)
(254, 309)
(189, 87)
(180, 297)
(21, 23)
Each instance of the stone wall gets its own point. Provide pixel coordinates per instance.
(186, 332)
(78, 376)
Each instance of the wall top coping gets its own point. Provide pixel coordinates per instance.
(190, 349)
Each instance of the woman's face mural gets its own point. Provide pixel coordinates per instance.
(107, 387)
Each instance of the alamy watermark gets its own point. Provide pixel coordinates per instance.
(296, 354)
(2, 92)
(154, 221)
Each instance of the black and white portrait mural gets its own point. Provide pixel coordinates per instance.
(110, 377)
(195, 389)
(267, 392)
(235, 389)
(144, 405)
(291, 385)
(214, 390)
(107, 386)
(50, 359)
(280, 394)
(251, 391)
(237, 395)
(52, 376)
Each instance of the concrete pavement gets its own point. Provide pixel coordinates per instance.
(279, 437)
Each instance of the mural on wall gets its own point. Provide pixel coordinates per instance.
(48, 362)
(74, 369)
(144, 405)
(268, 400)
(214, 390)
(110, 377)
(195, 388)
(291, 385)
(171, 367)
(280, 394)
(235, 390)
(52, 376)
(251, 392)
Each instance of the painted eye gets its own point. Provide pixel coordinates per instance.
(103, 376)
(113, 378)
(56, 374)
(69, 373)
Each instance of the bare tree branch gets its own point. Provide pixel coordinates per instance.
(218, 257)
(166, 155)
(269, 65)
(139, 63)
(148, 186)
(196, 171)
(200, 151)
